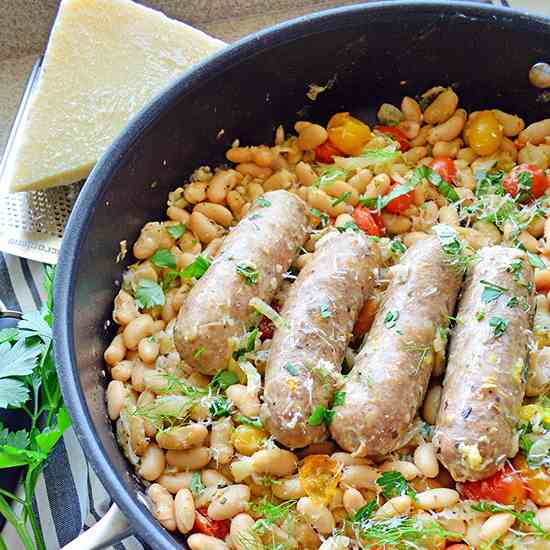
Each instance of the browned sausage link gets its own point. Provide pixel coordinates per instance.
(217, 307)
(307, 353)
(387, 384)
(486, 374)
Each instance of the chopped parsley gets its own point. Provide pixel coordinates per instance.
(320, 415)
(176, 230)
(256, 422)
(164, 258)
(249, 274)
(198, 352)
(512, 302)
(220, 407)
(491, 291)
(343, 197)
(365, 512)
(291, 369)
(425, 172)
(196, 484)
(149, 294)
(329, 176)
(393, 484)
(325, 311)
(223, 379)
(348, 225)
(457, 254)
(260, 201)
(480, 315)
(535, 261)
(339, 398)
(498, 325)
(322, 216)
(250, 344)
(381, 202)
(196, 269)
(397, 246)
(390, 319)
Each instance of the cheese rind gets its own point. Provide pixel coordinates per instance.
(104, 61)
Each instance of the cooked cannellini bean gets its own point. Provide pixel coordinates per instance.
(162, 506)
(241, 469)
(359, 477)
(184, 507)
(116, 395)
(426, 461)
(280, 180)
(347, 459)
(535, 133)
(198, 541)
(175, 481)
(449, 130)
(353, 500)
(248, 404)
(317, 515)
(496, 526)
(152, 463)
(289, 488)
(192, 459)
(411, 109)
(543, 517)
(138, 440)
(213, 478)
(431, 404)
(116, 351)
(136, 330)
(125, 309)
(311, 136)
(204, 228)
(216, 212)
(407, 469)
(182, 437)
(220, 441)
(278, 462)
(229, 502)
(394, 507)
(336, 542)
(441, 108)
(437, 499)
(241, 526)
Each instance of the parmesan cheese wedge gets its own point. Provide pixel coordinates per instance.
(104, 61)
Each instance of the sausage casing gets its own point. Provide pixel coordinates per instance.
(217, 308)
(386, 386)
(307, 352)
(487, 370)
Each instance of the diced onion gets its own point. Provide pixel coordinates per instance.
(265, 309)
(253, 378)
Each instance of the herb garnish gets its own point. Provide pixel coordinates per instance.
(343, 197)
(164, 258)
(256, 422)
(390, 319)
(397, 246)
(325, 311)
(324, 415)
(499, 325)
(393, 484)
(348, 225)
(176, 230)
(196, 484)
(491, 291)
(457, 254)
(249, 274)
(329, 176)
(149, 294)
(223, 379)
(535, 261)
(323, 217)
(220, 407)
(291, 369)
(260, 201)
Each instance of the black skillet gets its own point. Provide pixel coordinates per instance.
(370, 53)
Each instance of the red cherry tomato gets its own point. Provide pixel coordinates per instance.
(445, 167)
(266, 326)
(396, 134)
(531, 186)
(401, 203)
(212, 527)
(370, 222)
(504, 487)
(325, 152)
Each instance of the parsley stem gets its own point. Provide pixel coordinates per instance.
(18, 525)
(3, 545)
(30, 484)
(11, 496)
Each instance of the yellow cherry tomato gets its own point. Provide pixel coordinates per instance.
(483, 133)
(247, 439)
(319, 476)
(347, 133)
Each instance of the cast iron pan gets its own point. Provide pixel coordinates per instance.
(371, 53)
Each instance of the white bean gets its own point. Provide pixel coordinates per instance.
(543, 517)
(411, 109)
(336, 542)
(204, 228)
(353, 500)
(426, 460)
(317, 515)
(152, 463)
(512, 125)
(184, 510)
(198, 541)
(448, 130)
(437, 499)
(241, 531)
(116, 351)
(116, 398)
(360, 477)
(162, 506)
(277, 462)
(229, 502)
(216, 212)
(182, 437)
(407, 469)
(441, 108)
(289, 488)
(535, 133)
(220, 441)
(496, 526)
(213, 478)
(192, 459)
(248, 404)
(395, 507)
(176, 481)
(431, 404)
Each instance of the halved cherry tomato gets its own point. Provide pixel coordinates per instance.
(458, 546)
(536, 184)
(504, 487)
(266, 326)
(483, 133)
(445, 167)
(347, 133)
(212, 527)
(368, 221)
(396, 134)
(401, 203)
(537, 480)
(325, 152)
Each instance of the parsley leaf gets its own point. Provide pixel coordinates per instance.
(8, 335)
(348, 225)
(198, 352)
(320, 415)
(329, 176)
(149, 294)
(220, 407)
(12, 393)
(291, 369)
(260, 201)
(325, 311)
(435, 179)
(256, 422)
(223, 379)
(197, 269)
(322, 216)
(343, 197)
(390, 319)
(196, 484)
(393, 484)
(535, 260)
(164, 258)
(365, 512)
(491, 292)
(249, 274)
(339, 398)
(499, 325)
(176, 230)
(397, 246)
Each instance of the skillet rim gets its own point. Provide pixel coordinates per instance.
(116, 155)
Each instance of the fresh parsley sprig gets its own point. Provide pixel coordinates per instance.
(29, 383)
